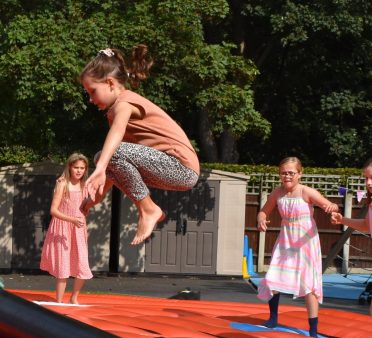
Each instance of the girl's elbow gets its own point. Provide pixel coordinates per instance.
(53, 212)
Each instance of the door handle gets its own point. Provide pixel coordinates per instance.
(184, 226)
(178, 226)
(181, 226)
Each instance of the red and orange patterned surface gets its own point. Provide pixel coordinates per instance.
(139, 317)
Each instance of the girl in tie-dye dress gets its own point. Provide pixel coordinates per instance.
(364, 224)
(296, 263)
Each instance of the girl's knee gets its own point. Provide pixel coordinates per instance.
(191, 181)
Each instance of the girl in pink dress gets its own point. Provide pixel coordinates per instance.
(365, 224)
(65, 249)
(296, 263)
(144, 147)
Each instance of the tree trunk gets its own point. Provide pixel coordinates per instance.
(238, 24)
(208, 144)
(228, 151)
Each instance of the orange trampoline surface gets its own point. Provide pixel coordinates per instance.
(139, 317)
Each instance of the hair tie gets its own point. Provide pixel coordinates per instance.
(108, 52)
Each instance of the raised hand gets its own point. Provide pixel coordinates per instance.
(95, 183)
(331, 207)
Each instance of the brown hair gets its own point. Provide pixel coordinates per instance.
(292, 160)
(112, 62)
(73, 158)
(367, 164)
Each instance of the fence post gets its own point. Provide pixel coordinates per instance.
(340, 243)
(262, 236)
(346, 248)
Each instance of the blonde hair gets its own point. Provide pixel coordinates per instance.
(73, 158)
(112, 62)
(292, 159)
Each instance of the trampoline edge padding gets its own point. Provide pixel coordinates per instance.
(31, 320)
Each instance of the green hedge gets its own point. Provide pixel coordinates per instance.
(16, 154)
(261, 168)
(21, 154)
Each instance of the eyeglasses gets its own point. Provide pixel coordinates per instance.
(288, 173)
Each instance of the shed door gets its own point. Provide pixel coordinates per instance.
(187, 241)
(31, 204)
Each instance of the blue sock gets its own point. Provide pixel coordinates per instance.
(273, 306)
(313, 331)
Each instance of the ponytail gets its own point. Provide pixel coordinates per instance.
(112, 62)
(140, 64)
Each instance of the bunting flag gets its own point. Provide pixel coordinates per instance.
(360, 194)
(342, 191)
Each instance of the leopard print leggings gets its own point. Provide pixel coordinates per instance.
(134, 167)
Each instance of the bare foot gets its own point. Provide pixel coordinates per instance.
(146, 225)
(74, 301)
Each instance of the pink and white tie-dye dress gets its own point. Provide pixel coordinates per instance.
(296, 263)
(65, 249)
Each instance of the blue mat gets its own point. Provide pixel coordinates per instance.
(339, 286)
(280, 328)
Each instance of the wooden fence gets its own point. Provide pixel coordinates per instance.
(355, 255)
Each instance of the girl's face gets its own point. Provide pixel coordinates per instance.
(289, 175)
(77, 170)
(102, 94)
(368, 176)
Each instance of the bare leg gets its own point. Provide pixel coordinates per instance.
(60, 288)
(312, 307)
(149, 214)
(134, 167)
(78, 284)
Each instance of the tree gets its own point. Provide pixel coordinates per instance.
(315, 70)
(46, 43)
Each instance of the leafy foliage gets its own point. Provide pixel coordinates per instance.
(17, 155)
(315, 65)
(46, 44)
(276, 77)
(249, 169)
(223, 90)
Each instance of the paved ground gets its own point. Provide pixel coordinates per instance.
(164, 286)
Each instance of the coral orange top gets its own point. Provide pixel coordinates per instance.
(156, 129)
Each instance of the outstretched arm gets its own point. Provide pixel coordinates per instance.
(88, 203)
(97, 180)
(357, 224)
(270, 204)
(315, 197)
